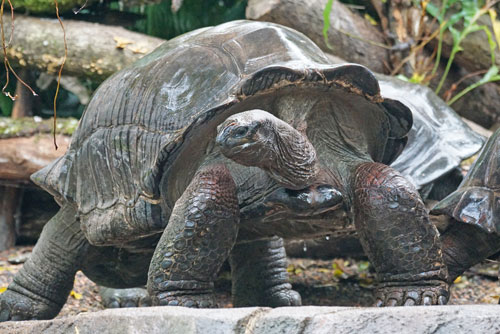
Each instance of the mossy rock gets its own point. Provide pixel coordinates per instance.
(29, 126)
(48, 6)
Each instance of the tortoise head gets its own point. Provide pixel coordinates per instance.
(247, 136)
(257, 138)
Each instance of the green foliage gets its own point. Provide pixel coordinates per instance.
(462, 22)
(5, 105)
(10, 127)
(193, 14)
(326, 21)
(47, 6)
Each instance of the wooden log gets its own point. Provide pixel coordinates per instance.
(351, 37)
(22, 156)
(95, 51)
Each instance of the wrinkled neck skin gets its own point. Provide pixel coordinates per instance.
(291, 161)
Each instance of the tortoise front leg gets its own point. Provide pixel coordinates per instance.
(396, 233)
(41, 287)
(197, 240)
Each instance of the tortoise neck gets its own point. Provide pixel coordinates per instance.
(293, 163)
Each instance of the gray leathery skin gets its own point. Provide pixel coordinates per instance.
(262, 278)
(39, 290)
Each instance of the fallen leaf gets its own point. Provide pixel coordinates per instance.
(138, 49)
(496, 25)
(3, 289)
(121, 42)
(370, 19)
(75, 295)
(6, 268)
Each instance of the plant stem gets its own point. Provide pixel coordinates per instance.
(440, 39)
(465, 91)
(447, 69)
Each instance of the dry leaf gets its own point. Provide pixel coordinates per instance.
(121, 42)
(496, 25)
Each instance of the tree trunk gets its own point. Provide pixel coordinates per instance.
(95, 51)
(25, 101)
(350, 36)
(22, 156)
(9, 200)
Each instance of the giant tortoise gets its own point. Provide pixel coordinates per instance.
(473, 212)
(216, 145)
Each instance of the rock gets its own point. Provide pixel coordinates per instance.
(290, 320)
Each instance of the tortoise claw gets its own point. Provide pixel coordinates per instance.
(284, 298)
(180, 298)
(434, 293)
(120, 298)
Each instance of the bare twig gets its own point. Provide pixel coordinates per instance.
(60, 72)
(8, 67)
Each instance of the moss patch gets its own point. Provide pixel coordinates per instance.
(48, 6)
(29, 126)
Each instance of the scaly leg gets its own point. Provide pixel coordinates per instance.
(41, 287)
(197, 240)
(465, 245)
(259, 275)
(398, 237)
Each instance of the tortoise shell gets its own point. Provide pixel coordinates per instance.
(477, 199)
(438, 141)
(149, 126)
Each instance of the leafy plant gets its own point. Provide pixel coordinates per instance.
(458, 17)
(460, 25)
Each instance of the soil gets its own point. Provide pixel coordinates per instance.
(340, 282)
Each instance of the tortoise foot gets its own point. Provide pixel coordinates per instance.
(120, 298)
(183, 298)
(432, 293)
(286, 297)
(15, 306)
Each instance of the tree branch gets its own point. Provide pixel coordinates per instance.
(95, 51)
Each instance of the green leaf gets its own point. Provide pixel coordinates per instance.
(469, 9)
(453, 19)
(491, 42)
(326, 21)
(433, 11)
(488, 76)
(456, 36)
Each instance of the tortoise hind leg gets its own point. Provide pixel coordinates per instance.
(197, 240)
(396, 233)
(258, 270)
(465, 245)
(41, 287)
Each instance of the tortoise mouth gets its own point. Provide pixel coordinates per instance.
(233, 151)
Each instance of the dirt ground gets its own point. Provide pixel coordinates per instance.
(341, 282)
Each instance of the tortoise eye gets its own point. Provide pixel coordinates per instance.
(240, 132)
